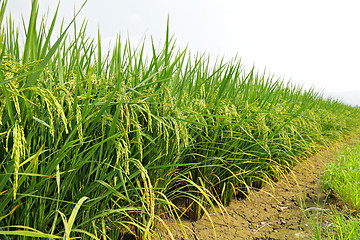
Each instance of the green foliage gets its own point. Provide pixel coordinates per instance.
(342, 176)
(135, 134)
(331, 223)
(344, 226)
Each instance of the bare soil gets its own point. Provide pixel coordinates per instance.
(274, 212)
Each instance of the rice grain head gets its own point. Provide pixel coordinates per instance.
(18, 152)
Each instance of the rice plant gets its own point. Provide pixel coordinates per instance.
(107, 147)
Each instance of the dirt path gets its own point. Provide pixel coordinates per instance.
(271, 213)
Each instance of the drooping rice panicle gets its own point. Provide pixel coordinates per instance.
(137, 134)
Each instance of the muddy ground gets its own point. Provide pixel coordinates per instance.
(274, 212)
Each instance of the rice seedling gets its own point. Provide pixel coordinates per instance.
(135, 134)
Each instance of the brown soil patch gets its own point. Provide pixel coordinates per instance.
(274, 212)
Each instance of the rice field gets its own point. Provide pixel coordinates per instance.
(101, 145)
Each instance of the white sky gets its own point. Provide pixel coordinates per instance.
(310, 42)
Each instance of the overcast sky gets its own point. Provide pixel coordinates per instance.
(310, 42)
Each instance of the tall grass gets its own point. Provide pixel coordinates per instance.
(100, 147)
(340, 179)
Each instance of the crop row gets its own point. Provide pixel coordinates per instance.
(100, 145)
